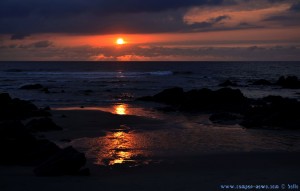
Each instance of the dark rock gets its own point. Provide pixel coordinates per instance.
(87, 92)
(42, 150)
(228, 83)
(226, 99)
(84, 172)
(15, 142)
(4, 99)
(45, 90)
(145, 98)
(226, 118)
(66, 140)
(66, 162)
(19, 147)
(42, 124)
(47, 108)
(262, 82)
(16, 109)
(170, 96)
(275, 113)
(182, 73)
(291, 82)
(166, 109)
(63, 116)
(32, 87)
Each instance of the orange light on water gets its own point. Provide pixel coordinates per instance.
(121, 109)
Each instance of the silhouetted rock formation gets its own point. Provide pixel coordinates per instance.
(262, 82)
(226, 118)
(230, 106)
(173, 96)
(16, 109)
(42, 124)
(291, 82)
(19, 147)
(228, 83)
(35, 87)
(32, 87)
(274, 112)
(225, 99)
(67, 161)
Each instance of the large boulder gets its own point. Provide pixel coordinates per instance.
(32, 87)
(172, 96)
(224, 99)
(291, 82)
(17, 109)
(19, 146)
(226, 118)
(275, 112)
(15, 142)
(66, 162)
(42, 124)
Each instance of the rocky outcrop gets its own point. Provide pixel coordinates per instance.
(291, 82)
(67, 161)
(19, 147)
(16, 109)
(42, 124)
(32, 87)
(225, 99)
(273, 112)
(230, 106)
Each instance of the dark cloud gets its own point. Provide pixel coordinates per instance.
(92, 16)
(42, 44)
(295, 7)
(18, 36)
(105, 16)
(48, 8)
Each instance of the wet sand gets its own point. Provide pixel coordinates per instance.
(200, 173)
(203, 172)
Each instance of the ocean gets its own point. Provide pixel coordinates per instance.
(114, 86)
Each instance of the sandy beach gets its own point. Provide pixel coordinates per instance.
(203, 172)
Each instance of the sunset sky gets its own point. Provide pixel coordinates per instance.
(204, 30)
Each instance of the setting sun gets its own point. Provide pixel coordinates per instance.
(120, 41)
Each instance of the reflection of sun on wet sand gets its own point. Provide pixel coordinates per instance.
(116, 149)
(121, 109)
(110, 138)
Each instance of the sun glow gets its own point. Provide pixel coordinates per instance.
(121, 109)
(120, 41)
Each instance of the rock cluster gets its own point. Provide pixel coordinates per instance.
(20, 147)
(230, 106)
